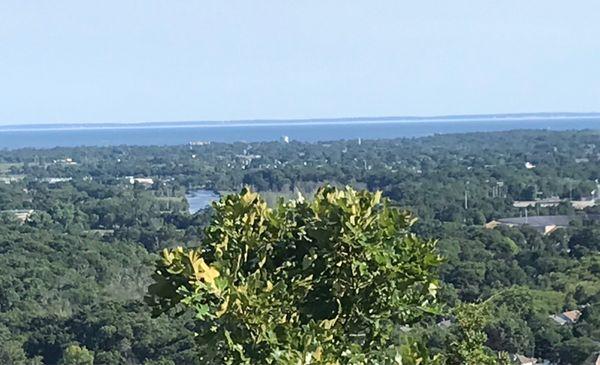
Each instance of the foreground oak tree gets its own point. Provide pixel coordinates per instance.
(325, 281)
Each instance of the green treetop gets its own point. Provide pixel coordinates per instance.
(319, 282)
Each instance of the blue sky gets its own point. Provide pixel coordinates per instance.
(132, 61)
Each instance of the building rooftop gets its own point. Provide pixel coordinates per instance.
(524, 360)
(538, 221)
(568, 317)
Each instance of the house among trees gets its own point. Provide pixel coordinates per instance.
(524, 360)
(21, 215)
(146, 181)
(543, 224)
(65, 161)
(568, 317)
(55, 180)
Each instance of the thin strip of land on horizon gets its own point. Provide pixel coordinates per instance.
(303, 121)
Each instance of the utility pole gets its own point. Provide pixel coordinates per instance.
(467, 196)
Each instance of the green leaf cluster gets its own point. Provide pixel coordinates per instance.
(325, 281)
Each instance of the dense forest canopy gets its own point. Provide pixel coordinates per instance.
(78, 239)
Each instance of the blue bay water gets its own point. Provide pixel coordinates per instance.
(200, 199)
(309, 132)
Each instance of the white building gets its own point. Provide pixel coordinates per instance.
(146, 181)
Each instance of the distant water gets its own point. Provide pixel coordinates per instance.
(311, 132)
(200, 199)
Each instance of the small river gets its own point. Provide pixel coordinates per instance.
(200, 199)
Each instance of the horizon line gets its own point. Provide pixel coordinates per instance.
(295, 121)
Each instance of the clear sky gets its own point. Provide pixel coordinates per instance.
(133, 61)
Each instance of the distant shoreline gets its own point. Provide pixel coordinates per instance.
(310, 121)
(161, 134)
